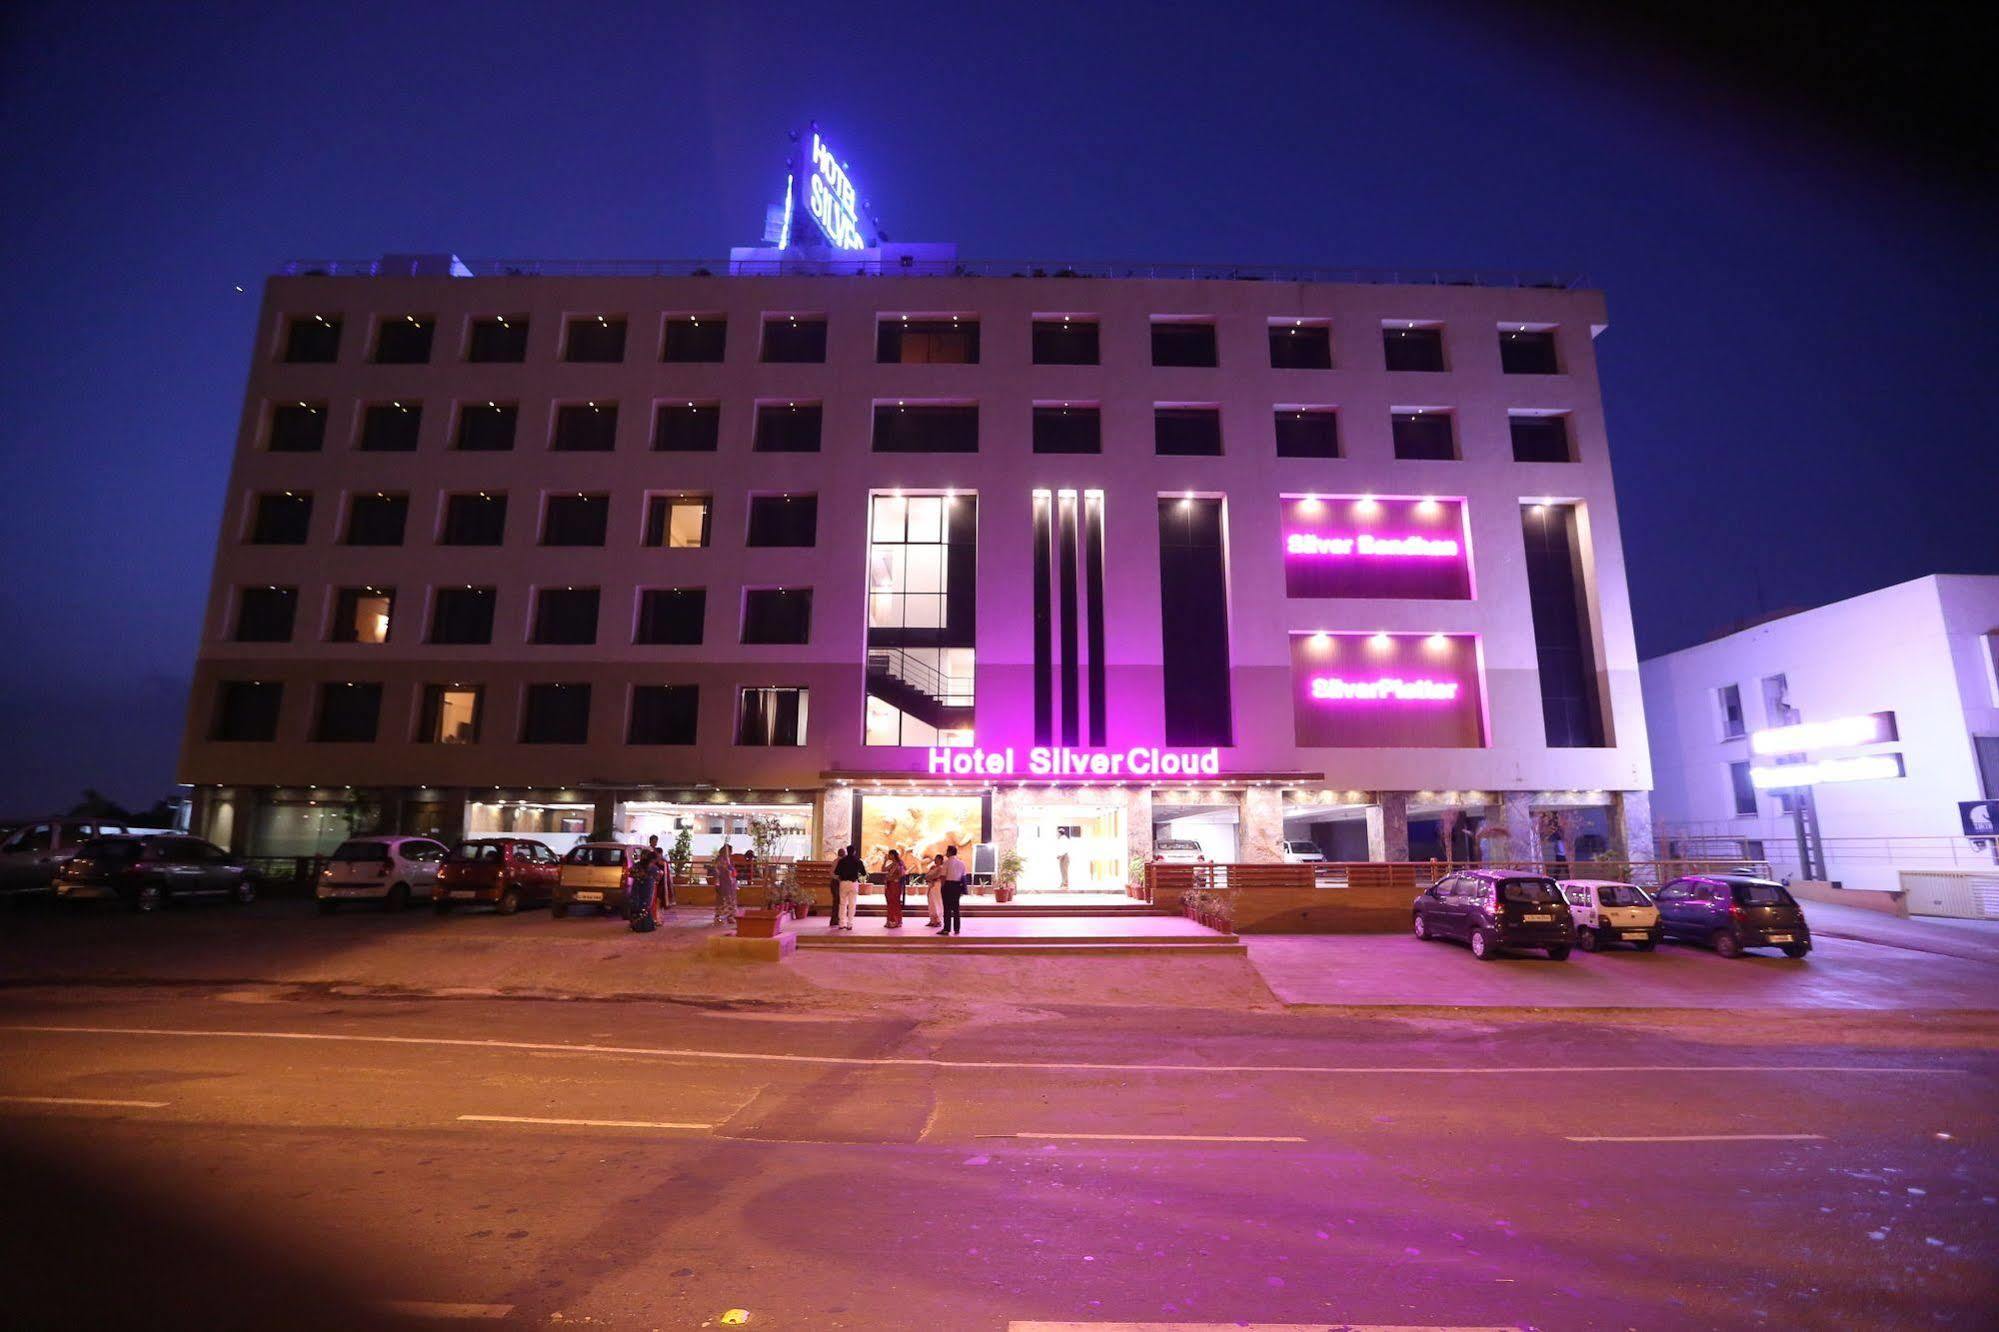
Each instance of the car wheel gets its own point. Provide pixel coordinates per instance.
(1422, 926)
(1589, 939)
(327, 906)
(559, 910)
(1646, 945)
(510, 902)
(1796, 950)
(149, 897)
(1727, 944)
(398, 898)
(1559, 953)
(1482, 946)
(245, 893)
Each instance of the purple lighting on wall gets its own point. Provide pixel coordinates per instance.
(1388, 689)
(1362, 546)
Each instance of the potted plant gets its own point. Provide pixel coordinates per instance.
(759, 923)
(788, 895)
(681, 857)
(1135, 877)
(1006, 875)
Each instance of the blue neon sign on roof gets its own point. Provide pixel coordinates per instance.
(830, 198)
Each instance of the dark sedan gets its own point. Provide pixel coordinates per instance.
(1731, 912)
(148, 873)
(1495, 911)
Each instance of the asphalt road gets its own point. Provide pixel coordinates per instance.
(289, 1156)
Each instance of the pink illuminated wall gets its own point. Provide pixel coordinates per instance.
(1387, 691)
(1354, 546)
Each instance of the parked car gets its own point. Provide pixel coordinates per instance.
(1606, 912)
(1301, 853)
(1178, 851)
(147, 873)
(32, 854)
(1731, 912)
(596, 874)
(505, 873)
(389, 870)
(1495, 911)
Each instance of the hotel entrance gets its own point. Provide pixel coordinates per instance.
(1072, 848)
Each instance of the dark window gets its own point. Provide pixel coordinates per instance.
(1301, 347)
(556, 714)
(771, 716)
(462, 615)
(784, 520)
(777, 615)
(1193, 587)
(362, 615)
(586, 428)
(566, 615)
(1187, 431)
(1528, 352)
(1540, 438)
(1421, 436)
(1183, 343)
(695, 340)
(247, 710)
(499, 340)
(663, 714)
(1044, 619)
(281, 520)
(794, 340)
(265, 614)
(788, 428)
(926, 428)
(1413, 348)
(687, 427)
(671, 616)
(377, 520)
(575, 520)
(1307, 433)
(1557, 587)
(677, 522)
(348, 713)
(1743, 788)
(451, 714)
(1068, 430)
(1065, 342)
(475, 520)
(1733, 724)
(596, 338)
(297, 427)
(313, 340)
(927, 342)
(390, 427)
(487, 427)
(404, 341)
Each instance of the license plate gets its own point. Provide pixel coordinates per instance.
(1780, 938)
(1537, 920)
(465, 894)
(589, 897)
(1634, 934)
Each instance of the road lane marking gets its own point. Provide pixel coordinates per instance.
(1135, 1137)
(1256, 1327)
(83, 1100)
(1711, 1137)
(580, 1123)
(970, 1065)
(443, 1309)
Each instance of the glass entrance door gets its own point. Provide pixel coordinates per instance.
(1072, 849)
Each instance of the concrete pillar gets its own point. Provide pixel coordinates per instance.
(604, 818)
(1388, 827)
(1006, 819)
(1515, 814)
(836, 820)
(1631, 826)
(1262, 826)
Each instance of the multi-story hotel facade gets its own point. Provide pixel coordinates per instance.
(1058, 563)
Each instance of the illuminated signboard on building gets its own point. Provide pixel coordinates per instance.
(1076, 764)
(826, 190)
(1387, 691)
(1360, 546)
(1871, 728)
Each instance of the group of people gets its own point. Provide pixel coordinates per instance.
(944, 880)
(653, 888)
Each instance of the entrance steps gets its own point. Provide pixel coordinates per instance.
(1007, 931)
(1018, 908)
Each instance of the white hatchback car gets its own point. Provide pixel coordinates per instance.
(389, 870)
(1301, 853)
(1607, 912)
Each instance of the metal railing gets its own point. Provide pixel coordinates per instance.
(949, 690)
(967, 268)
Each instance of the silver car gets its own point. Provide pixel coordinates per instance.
(389, 870)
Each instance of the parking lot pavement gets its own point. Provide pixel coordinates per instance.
(1400, 970)
(1976, 940)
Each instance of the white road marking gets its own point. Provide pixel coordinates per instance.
(580, 1123)
(970, 1065)
(1255, 1327)
(83, 1100)
(1712, 1137)
(443, 1309)
(1136, 1137)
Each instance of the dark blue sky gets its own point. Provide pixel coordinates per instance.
(1802, 316)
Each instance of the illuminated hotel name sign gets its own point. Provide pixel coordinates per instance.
(1370, 547)
(1334, 689)
(830, 199)
(1418, 547)
(1060, 761)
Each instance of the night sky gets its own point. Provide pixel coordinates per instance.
(1792, 226)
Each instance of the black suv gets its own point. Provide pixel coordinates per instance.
(1731, 912)
(1494, 910)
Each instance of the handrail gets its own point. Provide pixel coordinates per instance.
(920, 675)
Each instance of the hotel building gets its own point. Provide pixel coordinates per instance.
(1059, 561)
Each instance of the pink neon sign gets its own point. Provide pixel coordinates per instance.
(1387, 689)
(1366, 543)
(1357, 546)
(1381, 690)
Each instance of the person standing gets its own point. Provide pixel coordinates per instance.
(892, 877)
(723, 871)
(955, 875)
(847, 874)
(933, 891)
(644, 902)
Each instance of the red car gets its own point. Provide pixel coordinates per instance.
(505, 873)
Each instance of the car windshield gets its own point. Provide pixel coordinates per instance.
(361, 851)
(1761, 894)
(1529, 890)
(478, 852)
(1622, 895)
(607, 856)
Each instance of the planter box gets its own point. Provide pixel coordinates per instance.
(759, 923)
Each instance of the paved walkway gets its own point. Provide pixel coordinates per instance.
(1133, 928)
(1975, 940)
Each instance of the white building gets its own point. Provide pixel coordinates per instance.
(1895, 702)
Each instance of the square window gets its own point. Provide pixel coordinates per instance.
(794, 339)
(246, 710)
(297, 427)
(500, 340)
(348, 713)
(1540, 437)
(362, 615)
(313, 340)
(783, 520)
(590, 427)
(474, 520)
(926, 428)
(1183, 342)
(906, 341)
(404, 340)
(265, 614)
(671, 616)
(565, 616)
(1528, 351)
(663, 714)
(777, 615)
(487, 427)
(1065, 341)
(595, 338)
(575, 520)
(1424, 436)
(556, 714)
(377, 520)
(462, 616)
(1297, 345)
(687, 427)
(695, 339)
(771, 716)
(1308, 432)
(789, 427)
(390, 427)
(1187, 431)
(1413, 348)
(677, 522)
(1068, 428)
(281, 519)
(450, 714)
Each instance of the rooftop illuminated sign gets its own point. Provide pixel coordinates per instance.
(830, 199)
